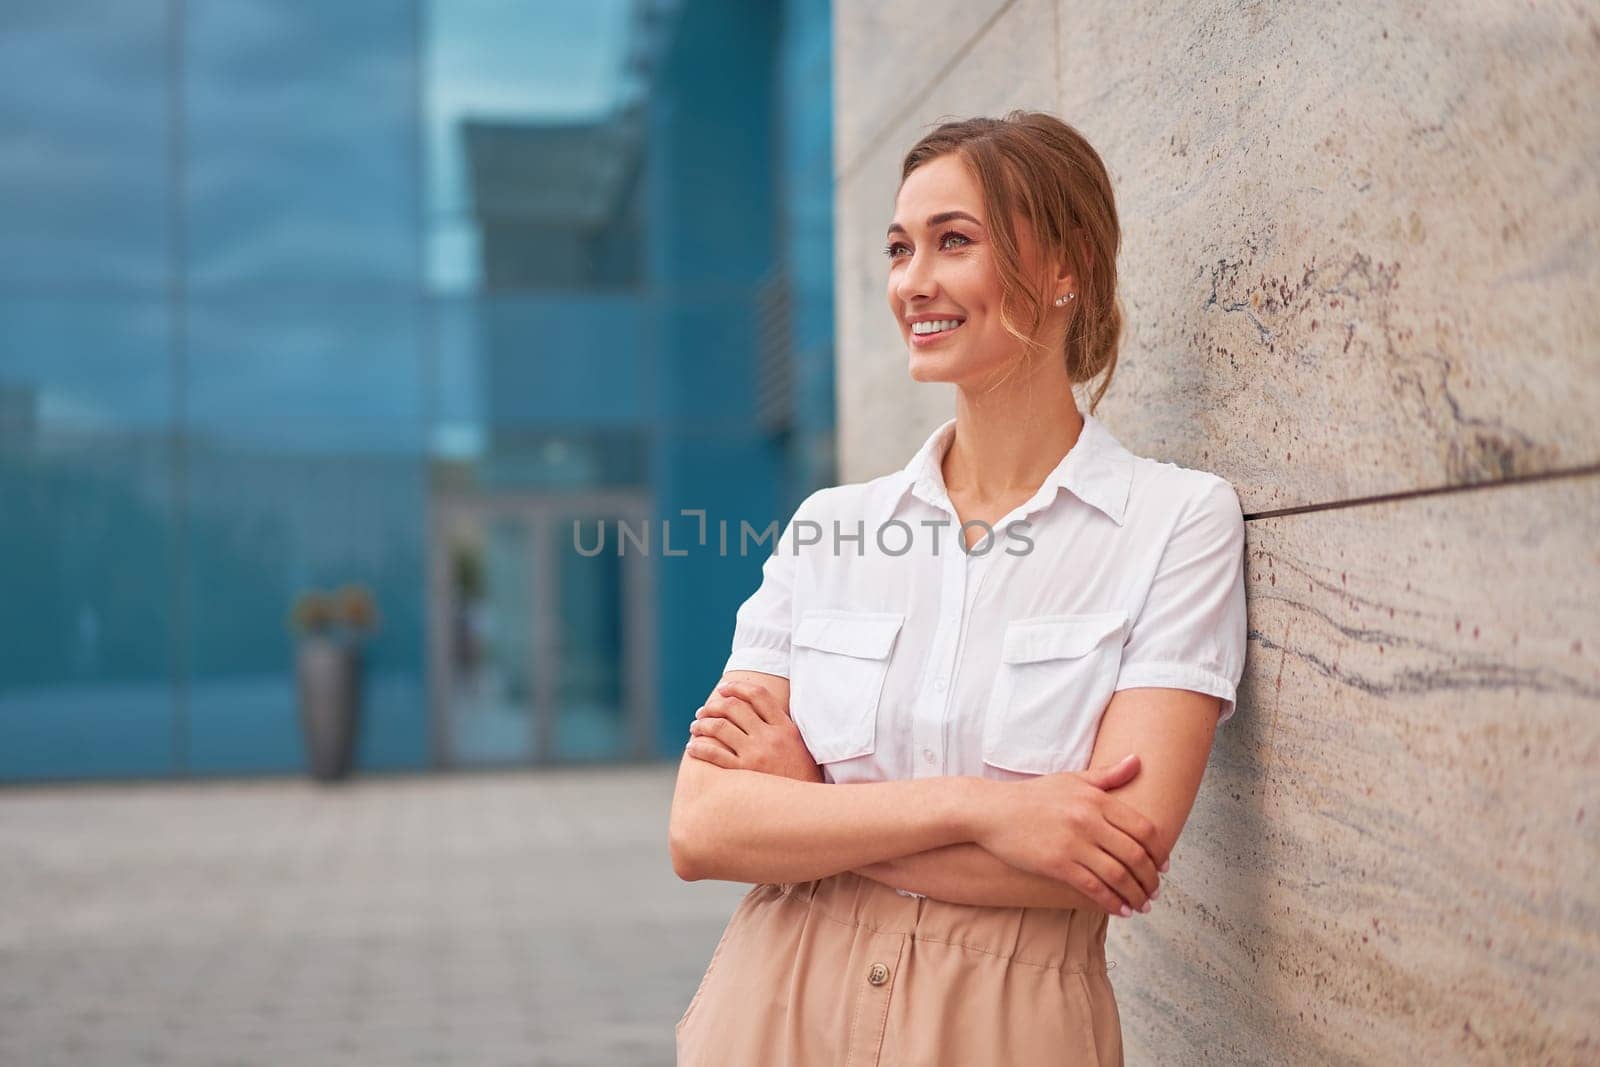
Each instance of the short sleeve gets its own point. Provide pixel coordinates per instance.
(1191, 632)
(762, 624)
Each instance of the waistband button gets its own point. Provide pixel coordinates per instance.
(878, 975)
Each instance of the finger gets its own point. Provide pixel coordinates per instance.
(764, 703)
(712, 751)
(1117, 879)
(1136, 826)
(736, 709)
(755, 697)
(1132, 856)
(1091, 885)
(715, 728)
(1115, 775)
(728, 709)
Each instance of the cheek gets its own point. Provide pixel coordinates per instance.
(976, 289)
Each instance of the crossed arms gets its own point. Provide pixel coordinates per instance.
(962, 839)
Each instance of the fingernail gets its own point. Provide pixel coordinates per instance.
(1145, 907)
(1155, 894)
(1165, 865)
(1126, 911)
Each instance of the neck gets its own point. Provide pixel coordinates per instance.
(1005, 448)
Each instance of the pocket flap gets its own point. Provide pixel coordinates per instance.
(1058, 636)
(866, 634)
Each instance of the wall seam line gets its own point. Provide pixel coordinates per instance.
(1587, 470)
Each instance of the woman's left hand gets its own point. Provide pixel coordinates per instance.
(743, 727)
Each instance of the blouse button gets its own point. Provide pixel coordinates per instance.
(878, 975)
(927, 754)
(939, 684)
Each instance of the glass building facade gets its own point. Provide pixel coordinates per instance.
(422, 297)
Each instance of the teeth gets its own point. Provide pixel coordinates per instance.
(934, 327)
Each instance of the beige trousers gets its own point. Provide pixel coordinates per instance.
(845, 972)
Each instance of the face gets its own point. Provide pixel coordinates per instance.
(942, 270)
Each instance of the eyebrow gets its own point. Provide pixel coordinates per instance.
(934, 220)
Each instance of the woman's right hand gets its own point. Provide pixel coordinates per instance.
(1067, 827)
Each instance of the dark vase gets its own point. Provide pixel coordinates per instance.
(328, 672)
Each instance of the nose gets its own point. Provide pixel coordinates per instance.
(915, 280)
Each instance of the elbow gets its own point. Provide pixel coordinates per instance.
(1167, 833)
(681, 844)
(683, 863)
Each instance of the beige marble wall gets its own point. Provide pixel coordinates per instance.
(1360, 263)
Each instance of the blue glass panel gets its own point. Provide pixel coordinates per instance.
(543, 390)
(559, 359)
(85, 628)
(89, 362)
(301, 143)
(304, 375)
(84, 135)
(735, 479)
(459, 385)
(264, 525)
(709, 361)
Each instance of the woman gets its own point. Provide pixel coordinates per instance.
(961, 640)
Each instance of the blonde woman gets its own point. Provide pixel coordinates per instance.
(1015, 649)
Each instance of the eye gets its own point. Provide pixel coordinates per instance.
(889, 249)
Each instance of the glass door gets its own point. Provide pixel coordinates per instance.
(541, 644)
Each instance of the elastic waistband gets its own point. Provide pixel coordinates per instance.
(1058, 938)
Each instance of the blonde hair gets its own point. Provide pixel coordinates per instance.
(1033, 165)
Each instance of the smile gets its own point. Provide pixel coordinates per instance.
(927, 333)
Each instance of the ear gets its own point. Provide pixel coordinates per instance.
(1065, 282)
(1077, 237)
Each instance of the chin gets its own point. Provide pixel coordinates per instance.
(939, 367)
(928, 369)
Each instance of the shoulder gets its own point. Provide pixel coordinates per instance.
(1184, 495)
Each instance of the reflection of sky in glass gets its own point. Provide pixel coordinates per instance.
(96, 363)
(354, 360)
(458, 379)
(489, 59)
(300, 157)
(83, 144)
(306, 151)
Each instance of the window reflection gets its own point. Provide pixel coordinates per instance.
(84, 127)
(285, 285)
(299, 146)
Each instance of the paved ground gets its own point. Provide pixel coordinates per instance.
(517, 918)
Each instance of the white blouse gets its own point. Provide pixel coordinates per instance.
(910, 657)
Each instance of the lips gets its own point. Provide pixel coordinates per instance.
(922, 339)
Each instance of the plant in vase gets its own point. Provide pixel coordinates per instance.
(328, 666)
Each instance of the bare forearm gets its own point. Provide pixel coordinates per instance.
(745, 826)
(968, 873)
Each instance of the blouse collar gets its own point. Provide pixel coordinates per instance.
(1097, 470)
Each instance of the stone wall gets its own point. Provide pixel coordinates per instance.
(1360, 265)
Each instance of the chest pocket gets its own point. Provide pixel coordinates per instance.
(1055, 678)
(838, 663)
